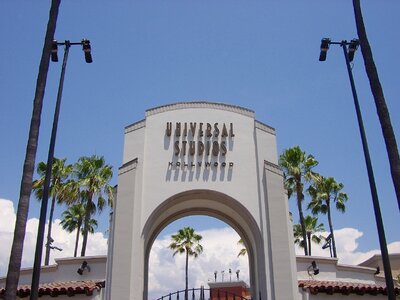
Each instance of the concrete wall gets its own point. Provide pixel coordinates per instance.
(65, 269)
(331, 270)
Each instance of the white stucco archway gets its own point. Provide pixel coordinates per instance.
(201, 158)
(213, 204)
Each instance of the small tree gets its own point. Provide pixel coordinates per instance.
(187, 241)
(325, 192)
(73, 219)
(92, 183)
(59, 194)
(311, 229)
(297, 169)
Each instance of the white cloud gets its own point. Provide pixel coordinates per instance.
(7, 217)
(97, 243)
(346, 247)
(220, 254)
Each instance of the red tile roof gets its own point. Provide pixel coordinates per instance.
(69, 288)
(87, 287)
(345, 288)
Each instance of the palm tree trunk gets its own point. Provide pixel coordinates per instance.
(78, 231)
(186, 275)
(301, 215)
(309, 242)
(86, 225)
(47, 257)
(380, 102)
(14, 265)
(331, 229)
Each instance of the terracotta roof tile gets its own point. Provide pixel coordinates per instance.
(53, 289)
(342, 287)
(87, 287)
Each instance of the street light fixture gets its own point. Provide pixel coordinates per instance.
(46, 187)
(87, 49)
(352, 48)
(349, 48)
(54, 49)
(324, 48)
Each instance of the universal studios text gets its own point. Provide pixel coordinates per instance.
(198, 144)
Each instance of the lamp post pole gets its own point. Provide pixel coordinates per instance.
(46, 187)
(378, 216)
(375, 200)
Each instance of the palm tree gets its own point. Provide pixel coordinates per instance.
(188, 242)
(92, 178)
(380, 102)
(14, 265)
(242, 251)
(73, 219)
(59, 174)
(325, 191)
(297, 168)
(311, 229)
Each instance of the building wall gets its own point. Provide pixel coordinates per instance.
(63, 272)
(333, 274)
(65, 269)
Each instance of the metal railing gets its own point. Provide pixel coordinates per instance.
(203, 294)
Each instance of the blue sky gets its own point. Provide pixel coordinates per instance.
(261, 55)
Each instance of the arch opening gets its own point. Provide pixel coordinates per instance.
(218, 263)
(211, 204)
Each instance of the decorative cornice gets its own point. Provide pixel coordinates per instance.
(265, 127)
(128, 166)
(318, 259)
(135, 126)
(269, 166)
(74, 260)
(200, 104)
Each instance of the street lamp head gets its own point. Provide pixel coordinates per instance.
(352, 48)
(54, 49)
(324, 48)
(314, 268)
(87, 50)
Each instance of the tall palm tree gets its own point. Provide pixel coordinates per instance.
(14, 265)
(380, 102)
(325, 192)
(72, 220)
(187, 241)
(297, 168)
(92, 177)
(59, 175)
(311, 229)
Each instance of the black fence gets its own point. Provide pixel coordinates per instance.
(203, 294)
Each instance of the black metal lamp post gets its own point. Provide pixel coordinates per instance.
(43, 210)
(349, 49)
